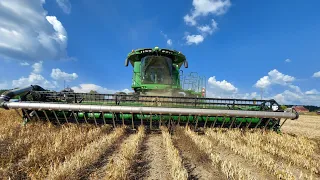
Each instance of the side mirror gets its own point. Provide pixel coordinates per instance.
(186, 64)
(126, 62)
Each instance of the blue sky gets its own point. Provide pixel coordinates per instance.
(241, 47)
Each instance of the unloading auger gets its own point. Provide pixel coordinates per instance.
(158, 99)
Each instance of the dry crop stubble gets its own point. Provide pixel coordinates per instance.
(84, 157)
(173, 157)
(255, 155)
(229, 168)
(120, 163)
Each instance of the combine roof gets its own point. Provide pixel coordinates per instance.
(176, 56)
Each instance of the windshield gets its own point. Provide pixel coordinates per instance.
(156, 70)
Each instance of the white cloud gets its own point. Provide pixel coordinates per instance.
(296, 88)
(263, 82)
(287, 60)
(24, 64)
(312, 92)
(221, 85)
(194, 39)
(65, 5)
(26, 33)
(37, 67)
(57, 74)
(274, 77)
(60, 34)
(32, 79)
(206, 7)
(86, 88)
(169, 41)
(208, 29)
(316, 74)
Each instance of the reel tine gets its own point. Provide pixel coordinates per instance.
(55, 115)
(188, 120)
(233, 119)
(150, 121)
(65, 117)
(264, 128)
(197, 122)
(28, 117)
(38, 118)
(205, 123)
(260, 119)
(239, 124)
(215, 121)
(283, 123)
(104, 119)
(122, 118)
(249, 123)
(85, 118)
(224, 119)
(18, 112)
(94, 118)
(168, 125)
(113, 122)
(141, 119)
(160, 121)
(75, 117)
(179, 119)
(45, 114)
(132, 120)
(274, 124)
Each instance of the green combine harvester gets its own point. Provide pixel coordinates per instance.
(162, 96)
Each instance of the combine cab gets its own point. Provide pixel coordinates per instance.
(158, 99)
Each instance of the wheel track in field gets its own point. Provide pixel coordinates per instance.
(156, 156)
(98, 168)
(196, 161)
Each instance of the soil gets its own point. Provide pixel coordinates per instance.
(195, 160)
(156, 155)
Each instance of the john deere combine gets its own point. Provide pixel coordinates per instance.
(158, 99)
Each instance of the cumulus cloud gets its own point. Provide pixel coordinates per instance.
(204, 30)
(86, 88)
(221, 86)
(57, 74)
(208, 29)
(316, 74)
(204, 8)
(287, 60)
(169, 42)
(28, 34)
(24, 64)
(194, 39)
(312, 92)
(33, 78)
(65, 5)
(37, 67)
(274, 77)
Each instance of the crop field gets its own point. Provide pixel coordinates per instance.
(41, 150)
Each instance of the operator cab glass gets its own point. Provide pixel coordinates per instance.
(156, 70)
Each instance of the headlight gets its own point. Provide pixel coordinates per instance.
(275, 107)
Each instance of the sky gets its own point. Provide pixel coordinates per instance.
(245, 49)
